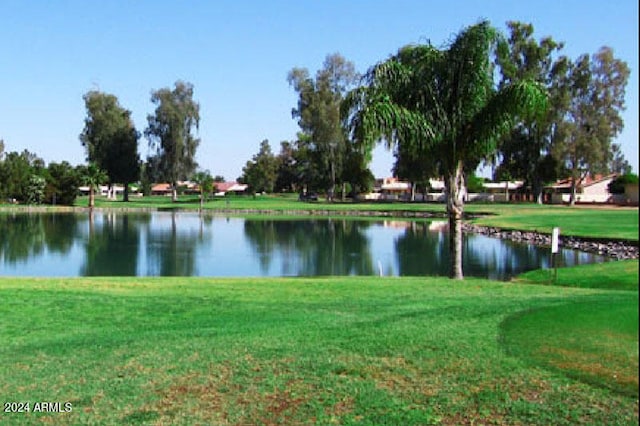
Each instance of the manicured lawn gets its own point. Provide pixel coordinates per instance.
(600, 222)
(344, 350)
(326, 351)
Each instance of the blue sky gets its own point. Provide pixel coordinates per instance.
(237, 54)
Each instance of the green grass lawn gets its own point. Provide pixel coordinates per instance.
(319, 350)
(341, 350)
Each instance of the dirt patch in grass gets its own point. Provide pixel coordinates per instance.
(589, 365)
(229, 393)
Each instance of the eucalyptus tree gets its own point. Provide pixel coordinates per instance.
(318, 113)
(596, 88)
(170, 132)
(443, 102)
(111, 139)
(526, 151)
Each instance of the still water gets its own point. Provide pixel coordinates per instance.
(186, 244)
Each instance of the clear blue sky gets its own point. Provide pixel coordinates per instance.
(237, 55)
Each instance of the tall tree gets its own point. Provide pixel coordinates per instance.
(596, 99)
(261, 172)
(170, 132)
(318, 114)
(617, 163)
(444, 101)
(111, 139)
(525, 151)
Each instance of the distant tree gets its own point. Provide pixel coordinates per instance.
(618, 164)
(35, 189)
(92, 176)
(318, 114)
(262, 171)
(170, 129)
(414, 166)
(616, 186)
(62, 184)
(218, 179)
(205, 183)
(16, 172)
(596, 99)
(355, 171)
(444, 102)
(526, 150)
(111, 139)
(288, 179)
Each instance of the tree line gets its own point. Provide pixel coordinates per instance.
(511, 101)
(571, 137)
(111, 143)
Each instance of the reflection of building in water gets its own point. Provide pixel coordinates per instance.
(438, 225)
(397, 224)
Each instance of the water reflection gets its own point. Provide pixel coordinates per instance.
(312, 247)
(183, 244)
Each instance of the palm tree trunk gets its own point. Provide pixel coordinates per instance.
(455, 206)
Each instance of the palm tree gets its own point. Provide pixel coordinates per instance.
(93, 176)
(205, 183)
(443, 103)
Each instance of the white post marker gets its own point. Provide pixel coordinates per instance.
(555, 237)
(555, 242)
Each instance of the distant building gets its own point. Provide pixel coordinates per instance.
(222, 188)
(588, 190)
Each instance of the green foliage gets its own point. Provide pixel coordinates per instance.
(596, 88)
(16, 174)
(62, 184)
(443, 105)
(170, 129)
(524, 151)
(261, 172)
(111, 139)
(474, 183)
(616, 186)
(318, 113)
(35, 189)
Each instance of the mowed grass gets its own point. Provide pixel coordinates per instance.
(593, 222)
(350, 350)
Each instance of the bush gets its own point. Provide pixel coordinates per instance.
(617, 185)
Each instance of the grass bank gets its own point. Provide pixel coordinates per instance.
(591, 222)
(346, 350)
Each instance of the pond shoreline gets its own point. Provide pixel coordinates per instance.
(612, 248)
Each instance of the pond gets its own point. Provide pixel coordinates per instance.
(113, 243)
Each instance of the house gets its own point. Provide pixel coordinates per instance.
(222, 188)
(161, 189)
(498, 192)
(588, 190)
(389, 188)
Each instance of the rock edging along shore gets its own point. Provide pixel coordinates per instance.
(616, 249)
